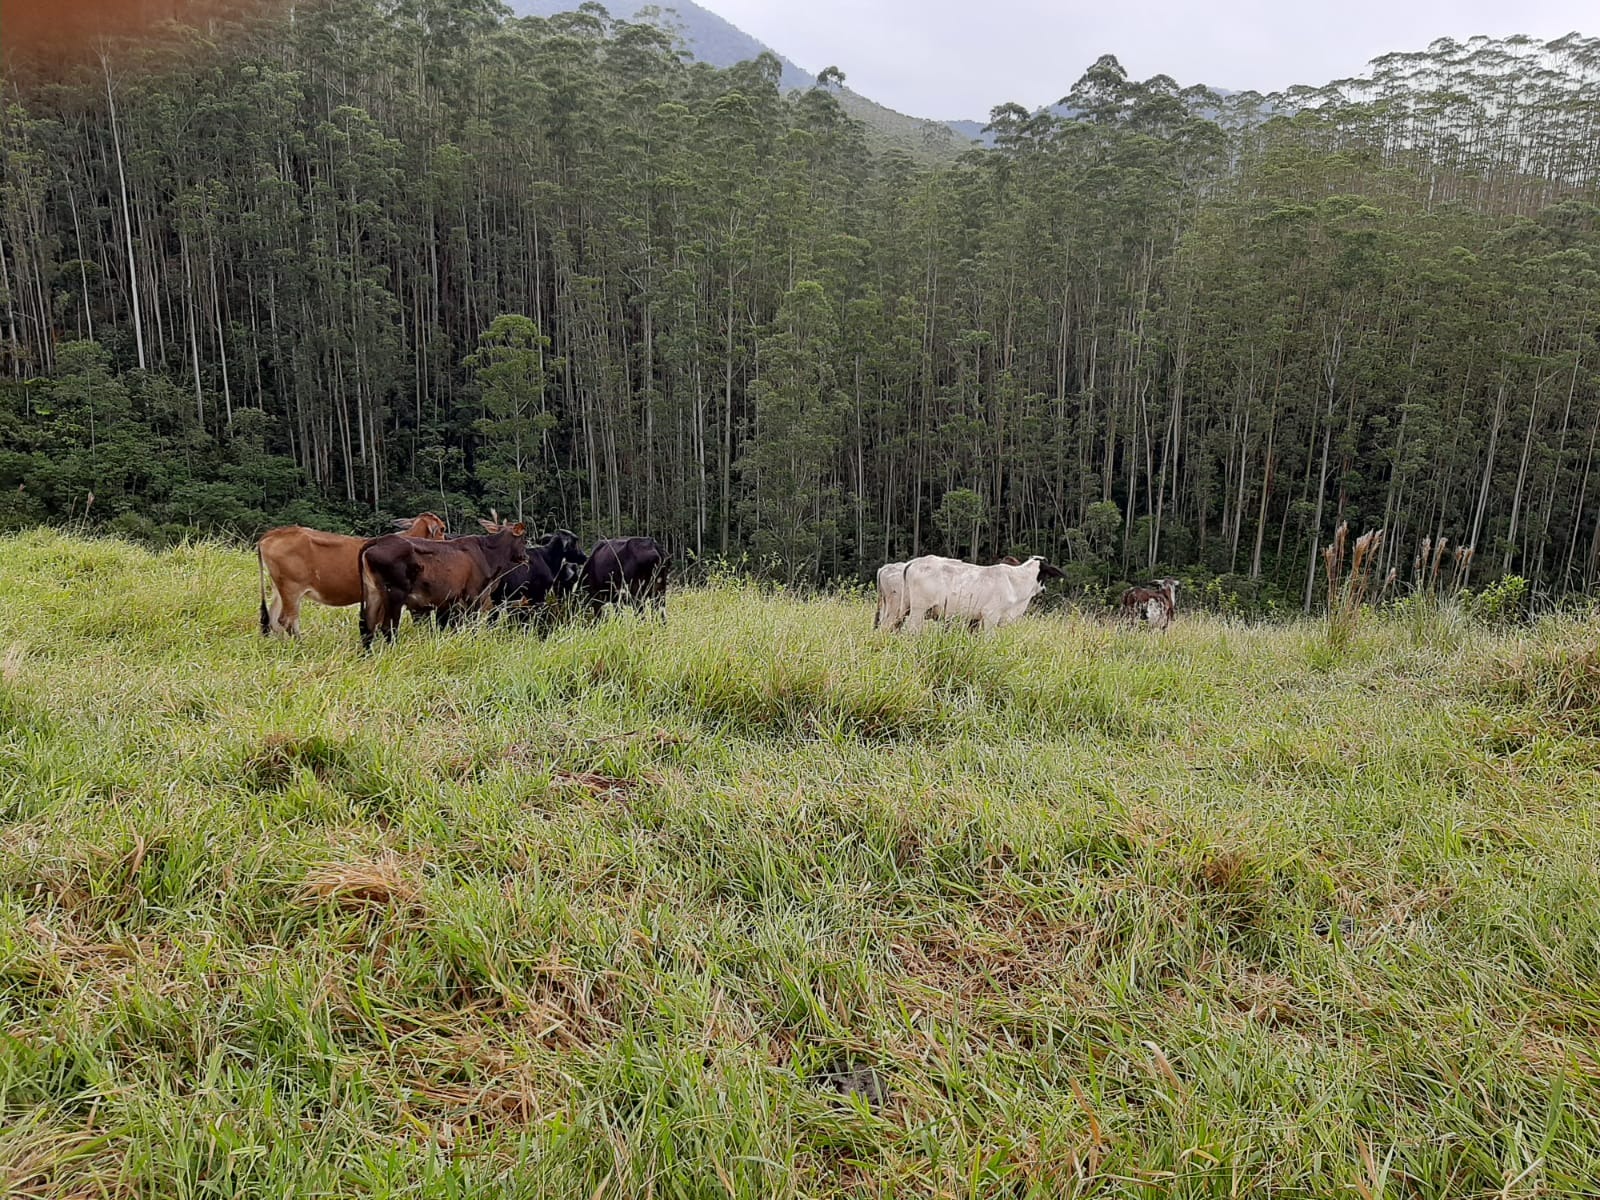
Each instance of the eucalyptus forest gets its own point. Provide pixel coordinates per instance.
(339, 262)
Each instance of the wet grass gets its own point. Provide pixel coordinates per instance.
(765, 903)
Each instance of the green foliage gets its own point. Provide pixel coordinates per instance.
(798, 410)
(513, 455)
(1500, 603)
(961, 514)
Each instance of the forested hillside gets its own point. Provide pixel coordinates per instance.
(257, 273)
(705, 35)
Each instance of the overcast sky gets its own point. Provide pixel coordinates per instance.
(960, 58)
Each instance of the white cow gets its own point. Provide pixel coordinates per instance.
(985, 597)
(891, 595)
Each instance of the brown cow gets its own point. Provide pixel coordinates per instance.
(444, 579)
(325, 566)
(1157, 603)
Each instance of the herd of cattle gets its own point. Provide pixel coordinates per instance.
(428, 572)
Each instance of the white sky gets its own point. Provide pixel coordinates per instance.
(959, 58)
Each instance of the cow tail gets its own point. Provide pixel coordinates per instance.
(261, 571)
(372, 594)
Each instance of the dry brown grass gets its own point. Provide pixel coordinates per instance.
(387, 880)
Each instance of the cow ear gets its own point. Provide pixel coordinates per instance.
(490, 526)
(519, 529)
(1050, 571)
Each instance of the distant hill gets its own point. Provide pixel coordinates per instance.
(970, 129)
(721, 43)
(707, 36)
(974, 130)
(916, 135)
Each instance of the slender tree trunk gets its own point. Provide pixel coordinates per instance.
(127, 217)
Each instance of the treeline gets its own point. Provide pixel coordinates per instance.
(252, 273)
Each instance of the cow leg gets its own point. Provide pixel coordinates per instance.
(285, 615)
(394, 605)
(381, 616)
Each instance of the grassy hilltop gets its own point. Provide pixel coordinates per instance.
(764, 903)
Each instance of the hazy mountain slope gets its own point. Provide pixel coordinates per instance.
(715, 40)
(916, 135)
(708, 37)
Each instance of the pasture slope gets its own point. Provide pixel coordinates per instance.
(764, 903)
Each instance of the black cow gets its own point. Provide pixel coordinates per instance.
(447, 579)
(551, 571)
(630, 569)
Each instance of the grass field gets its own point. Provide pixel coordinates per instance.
(765, 903)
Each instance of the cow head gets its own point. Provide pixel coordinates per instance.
(493, 524)
(425, 525)
(570, 549)
(561, 553)
(515, 536)
(1046, 571)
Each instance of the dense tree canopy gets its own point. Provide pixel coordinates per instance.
(384, 255)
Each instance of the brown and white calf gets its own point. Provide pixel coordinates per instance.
(1157, 603)
(305, 562)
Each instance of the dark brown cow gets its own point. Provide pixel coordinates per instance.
(445, 579)
(1147, 601)
(632, 570)
(305, 562)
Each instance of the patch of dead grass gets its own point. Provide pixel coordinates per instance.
(385, 881)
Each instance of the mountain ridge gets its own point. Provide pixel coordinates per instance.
(713, 39)
(708, 36)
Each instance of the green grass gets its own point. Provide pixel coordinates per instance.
(1216, 913)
